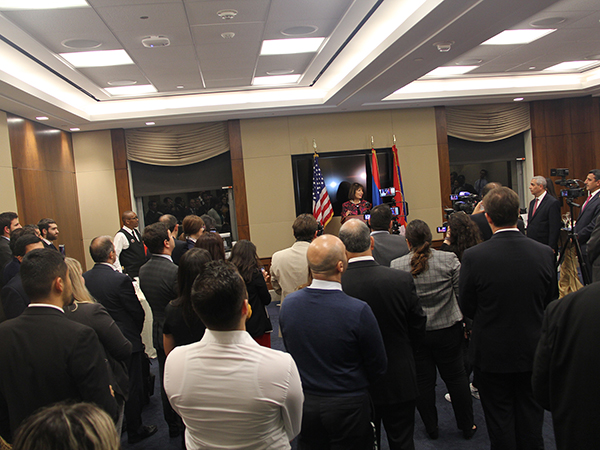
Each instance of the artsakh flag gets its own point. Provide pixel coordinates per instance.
(375, 186)
(322, 210)
(399, 197)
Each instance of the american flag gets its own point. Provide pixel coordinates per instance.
(322, 209)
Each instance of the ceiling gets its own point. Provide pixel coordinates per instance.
(375, 55)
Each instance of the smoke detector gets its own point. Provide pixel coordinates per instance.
(444, 46)
(228, 35)
(227, 14)
(156, 41)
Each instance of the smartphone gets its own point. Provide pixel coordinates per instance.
(442, 229)
(367, 216)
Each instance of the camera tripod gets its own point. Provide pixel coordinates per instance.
(572, 239)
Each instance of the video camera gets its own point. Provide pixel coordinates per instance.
(447, 213)
(464, 201)
(572, 190)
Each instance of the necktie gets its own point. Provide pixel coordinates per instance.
(535, 207)
(586, 202)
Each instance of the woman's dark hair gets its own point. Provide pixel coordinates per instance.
(355, 187)
(191, 265)
(464, 233)
(212, 242)
(192, 224)
(418, 235)
(244, 257)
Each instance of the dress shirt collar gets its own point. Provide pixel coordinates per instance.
(7, 238)
(594, 193)
(45, 305)
(301, 244)
(46, 241)
(507, 229)
(541, 197)
(163, 256)
(228, 337)
(107, 264)
(326, 285)
(379, 232)
(361, 258)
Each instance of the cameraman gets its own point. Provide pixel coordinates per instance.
(387, 246)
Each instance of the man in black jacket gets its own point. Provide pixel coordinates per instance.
(392, 296)
(116, 293)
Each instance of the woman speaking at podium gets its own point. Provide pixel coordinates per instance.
(356, 205)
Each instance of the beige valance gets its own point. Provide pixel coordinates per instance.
(177, 145)
(487, 123)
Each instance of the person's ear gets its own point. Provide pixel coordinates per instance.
(59, 284)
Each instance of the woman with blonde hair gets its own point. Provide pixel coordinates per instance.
(117, 347)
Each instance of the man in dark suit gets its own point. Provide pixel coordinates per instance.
(116, 293)
(387, 246)
(13, 295)
(158, 281)
(9, 221)
(45, 357)
(480, 220)
(392, 296)
(180, 246)
(566, 366)
(49, 231)
(588, 213)
(505, 284)
(543, 222)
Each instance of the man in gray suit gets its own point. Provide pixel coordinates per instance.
(158, 281)
(387, 246)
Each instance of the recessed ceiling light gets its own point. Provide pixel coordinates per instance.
(448, 71)
(75, 129)
(41, 118)
(150, 123)
(131, 90)
(532, 68)
(518, 99)
(121, 82)
(299, 30)
(228, 35)
(271, 81)
(516, 37)
(101, 58)
(280, 72)
(81, 44)
(180, 86)
(548, 22)
(290, 46)
(571, 65)
(42, 4)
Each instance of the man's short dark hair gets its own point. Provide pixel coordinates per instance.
(502, 206)
(22, 243)
(100, 248)
(44, 224)
(305, 226)
(169, 220)
(218, 294)
(6, 219)
(40, 267)
(356, 236)
(381, 216)
(488, 187)
(596, 173)
(154, 236)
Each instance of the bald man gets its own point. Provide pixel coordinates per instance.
(129, 248)
(339, 351)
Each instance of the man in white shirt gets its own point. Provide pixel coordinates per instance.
(230, 391)
(289, 268)
(129, 248)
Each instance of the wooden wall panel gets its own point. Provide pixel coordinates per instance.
(239, 180)
(443, 156)
(121, 170)
(45, 183)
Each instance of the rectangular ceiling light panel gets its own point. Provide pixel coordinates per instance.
(448, 71)
(12, 5)
(102, 58)
(517, 37)
(291, 46)
(275, 80)
(131, 90)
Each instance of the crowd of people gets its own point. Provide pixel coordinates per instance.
(367, 318)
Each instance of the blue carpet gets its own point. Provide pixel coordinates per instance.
(450, 437)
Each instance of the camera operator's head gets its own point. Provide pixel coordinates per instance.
(592, 182)
(538, 186)
(488, 187)
(502, 208)
(381, 218)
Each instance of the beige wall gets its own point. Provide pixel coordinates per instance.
(8, 199)
(96, 186)
(269, 143)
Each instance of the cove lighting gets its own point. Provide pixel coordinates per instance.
(131, 90)
(571, 65)
(516, 37)
(290, 46)
(518, 99)
(41, 4)
(150, 123)
(276, 80)
(101, 58)
(448, 71)
(41, 118)
(74, 129)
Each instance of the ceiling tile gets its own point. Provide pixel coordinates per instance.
(205, 12)
(325, 27)
(228, 83)
(244, 33)
(308, 9)
(160, 16)
(102, 75)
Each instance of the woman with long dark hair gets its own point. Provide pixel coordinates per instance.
(435, 275)
(462, 234)
(244, 257)
(182, 324)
